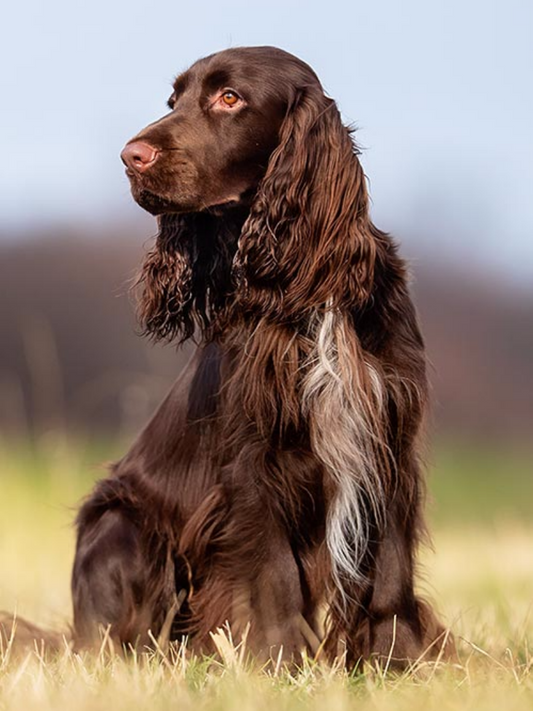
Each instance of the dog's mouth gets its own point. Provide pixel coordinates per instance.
(151, 200)
(146, 192)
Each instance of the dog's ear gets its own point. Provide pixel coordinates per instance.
(308, 240)
(163, 287)
(185, 279)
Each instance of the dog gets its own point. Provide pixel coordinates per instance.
(278, 488)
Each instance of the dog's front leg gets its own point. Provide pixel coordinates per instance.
(384, 621)
(109, 582)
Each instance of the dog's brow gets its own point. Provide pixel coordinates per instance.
(216, 79)
(180, 84)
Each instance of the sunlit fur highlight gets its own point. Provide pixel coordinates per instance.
(344, 398)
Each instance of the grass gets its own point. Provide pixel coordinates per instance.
(480, 576)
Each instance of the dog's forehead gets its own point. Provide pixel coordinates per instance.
(246, 69)
(221, 69)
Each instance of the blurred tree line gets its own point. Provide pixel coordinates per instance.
(70, 357)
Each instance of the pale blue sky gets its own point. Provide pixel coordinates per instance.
(441, 92)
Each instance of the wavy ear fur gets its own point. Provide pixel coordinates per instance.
(185, 279)
(306, 261)
(308, 239)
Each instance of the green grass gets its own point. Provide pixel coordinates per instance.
(480, 575)
(482, 484)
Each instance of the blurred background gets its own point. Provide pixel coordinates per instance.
(442, 98)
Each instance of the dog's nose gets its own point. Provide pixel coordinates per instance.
(139, 156)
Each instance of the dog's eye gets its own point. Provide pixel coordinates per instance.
(226, 100)
(230, 98)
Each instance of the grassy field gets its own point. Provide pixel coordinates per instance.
(480, 576)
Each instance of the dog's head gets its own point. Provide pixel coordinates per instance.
(213, 147)
(259, 193)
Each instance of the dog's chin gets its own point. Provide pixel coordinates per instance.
(157, 205)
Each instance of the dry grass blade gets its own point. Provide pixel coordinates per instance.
(233, 655)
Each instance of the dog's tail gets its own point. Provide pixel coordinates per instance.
(19, 636)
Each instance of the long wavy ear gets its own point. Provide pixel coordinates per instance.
(308, 239)
(186, 277)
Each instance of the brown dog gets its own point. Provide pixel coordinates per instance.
(278, 486)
